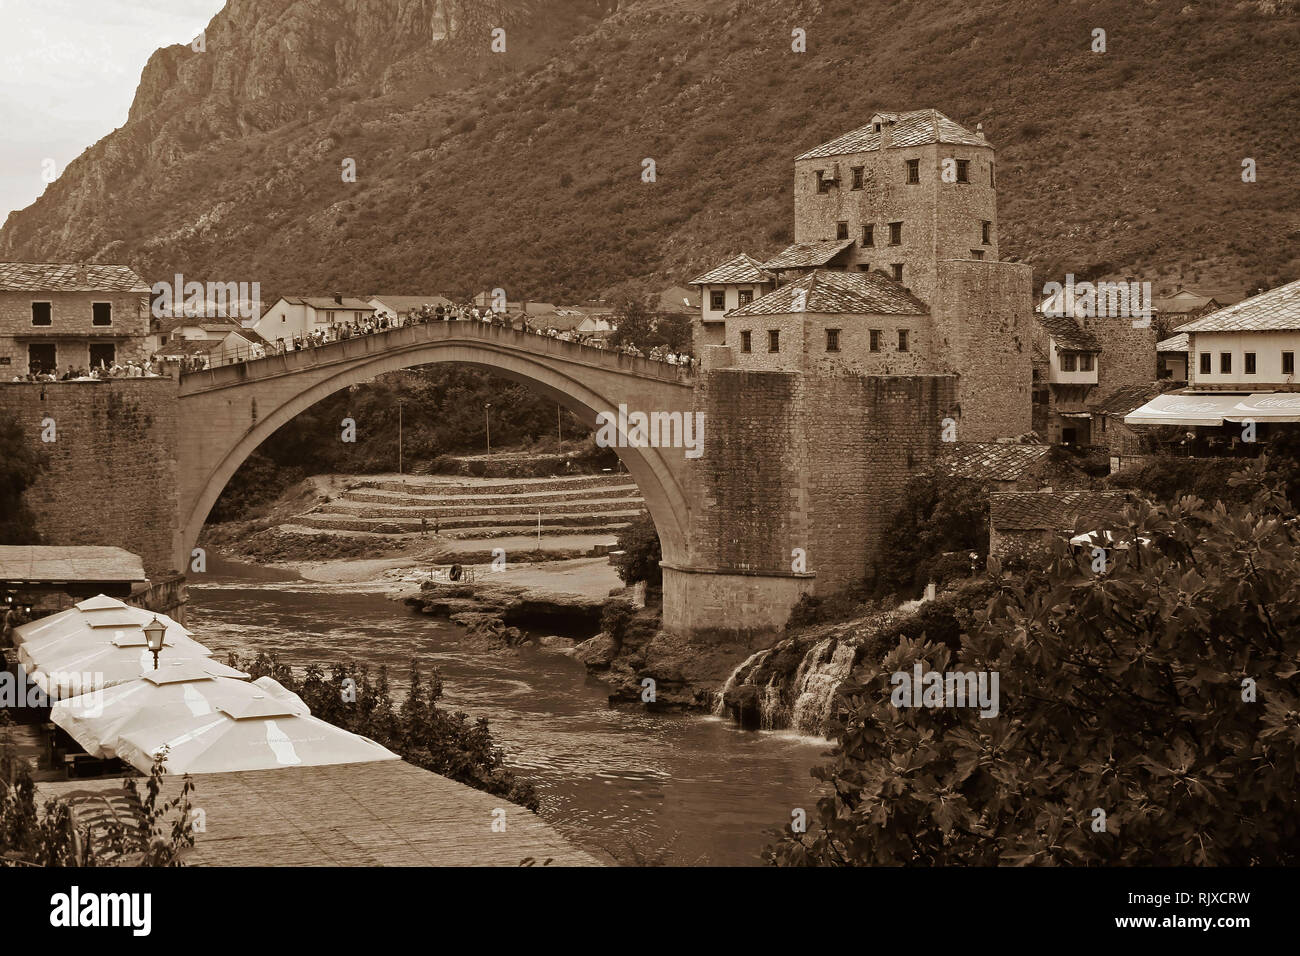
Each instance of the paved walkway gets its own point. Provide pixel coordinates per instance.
(388, 813)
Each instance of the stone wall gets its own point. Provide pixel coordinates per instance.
(71, 330)
(1128, 355)
(983, 331)
(112, 476)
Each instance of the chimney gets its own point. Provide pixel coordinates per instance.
(979, 130)
(338, 298)
(886, 132)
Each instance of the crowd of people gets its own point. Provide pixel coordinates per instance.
(381, 322)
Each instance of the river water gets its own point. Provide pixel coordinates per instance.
(642, 788)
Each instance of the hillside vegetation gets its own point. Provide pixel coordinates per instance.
(523, 169)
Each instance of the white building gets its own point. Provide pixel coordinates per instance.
(735, 283)
(1248, 346)
(292, 316)
(401, 306)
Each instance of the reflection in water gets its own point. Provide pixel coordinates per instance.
(679, 789)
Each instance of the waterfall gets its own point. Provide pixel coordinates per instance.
(800, 701)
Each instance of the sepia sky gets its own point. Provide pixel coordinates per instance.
(68, 73)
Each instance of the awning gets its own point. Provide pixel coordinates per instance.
(1076, 414)
(1210, 410)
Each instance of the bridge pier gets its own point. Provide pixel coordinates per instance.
(730, 605)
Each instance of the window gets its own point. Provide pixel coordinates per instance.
(841, 230)
(895, 233)
(902, 340)
(40, 358)
(857, 177)
(1085, 362)
(875, 127)
(832, 340)
(101, 313)
(869, 235)
(898, 271)
(1250, 363)
(823, 184)
(1225, 363)
(718, 300)
(746, 296)
(977, 253)
(103, 354)
(1068, 362)
(41, 313)
(986, 231)
(913, 171)
(774, 340)
(1205, 363)
(875, 340)
(963, 170)
(1288, 363)
(990, 174)
(744, 341)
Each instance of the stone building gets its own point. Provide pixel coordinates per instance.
(1023, 525)
(734, 284)
(59, 315)
(893, 270)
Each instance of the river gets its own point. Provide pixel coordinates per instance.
(652, 788)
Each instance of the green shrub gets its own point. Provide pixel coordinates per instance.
(640, 553)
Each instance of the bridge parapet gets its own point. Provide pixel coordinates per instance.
(378, 343)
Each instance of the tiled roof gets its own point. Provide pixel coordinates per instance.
(68, 277)
(41, 563)
(1277, 310)
(990, 461)
(1067, 333)
(804, 255)
(1126, 398)
(1175, 343)
(914, 128)
(324, 302)
(1182, 306)
(1057, 510)
(741, 268)
(832, 292)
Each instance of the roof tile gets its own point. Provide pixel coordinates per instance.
(1277, 310)
(833, 293)
(914, 128)
(69, 277)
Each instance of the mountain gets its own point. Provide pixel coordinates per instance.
(523, 169)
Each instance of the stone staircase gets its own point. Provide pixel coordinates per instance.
(465, 508)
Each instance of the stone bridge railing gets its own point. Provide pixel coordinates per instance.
(408, 336)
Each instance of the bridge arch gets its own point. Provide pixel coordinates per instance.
(227, 413)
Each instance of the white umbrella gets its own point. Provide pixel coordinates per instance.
(169, 701)
(254, 735)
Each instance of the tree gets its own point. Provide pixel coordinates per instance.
(20, 465)
(634, 323)
(640, 553)
(1148, 713)
(937, 515)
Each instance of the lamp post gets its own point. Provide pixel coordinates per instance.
(399, 437)
(153, 635)
(487, 426)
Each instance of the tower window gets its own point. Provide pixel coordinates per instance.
(1205, 363)
(898, 271)
(869, 235)
(963, 170)
(744, 341)
(875, 340)
(1288, 363)
(41, 313)
(774, 340)
(986, 232)
(1250, 363)
(864, 266)
(101, 313)
(875, 127)
(823, 184)
(746, 296)
(857, 177)
(977, 253)
(990, 174)
(718, 300)
(902, 340)
(832, 340)
(913, 171)
(1225, 363)
(895, 233)
(841, 230)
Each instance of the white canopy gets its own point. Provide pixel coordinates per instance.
(1173, 408)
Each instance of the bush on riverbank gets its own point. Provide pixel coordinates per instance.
(639, 554)
(420, 732)
(1146, 715)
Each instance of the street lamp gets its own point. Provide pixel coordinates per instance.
(487, 426)
(153, 635)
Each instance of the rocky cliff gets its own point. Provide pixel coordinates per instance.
(522, 168)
